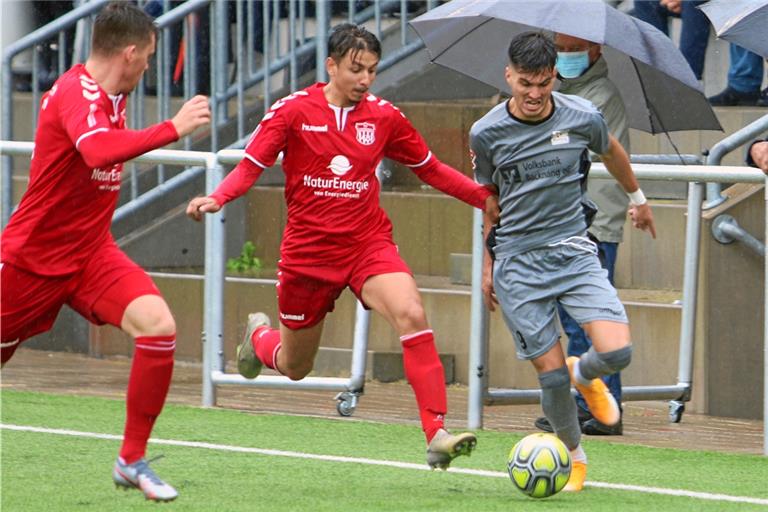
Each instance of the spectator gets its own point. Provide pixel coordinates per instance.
(695, 26)
(745, 76)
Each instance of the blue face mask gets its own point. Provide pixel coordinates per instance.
(572, 64)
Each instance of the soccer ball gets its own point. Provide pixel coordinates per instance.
(539, 465)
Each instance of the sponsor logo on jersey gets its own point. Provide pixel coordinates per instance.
(560, 137)
(288, 316)
(365, 133)
(313, 128)
(336, 186)
(340, 165)
(107, 179)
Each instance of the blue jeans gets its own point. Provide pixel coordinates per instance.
(745, 72)
(578, 341)
(693, 36)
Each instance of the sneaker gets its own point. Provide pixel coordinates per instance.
(762, 101)
(248, 365)
(733, 98)
(445, 447)
(595, 428)
(599, 399)
(542, 423)
(140, 476)
(578, 475)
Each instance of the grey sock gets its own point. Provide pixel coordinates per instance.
(595, 364)
(559, 406)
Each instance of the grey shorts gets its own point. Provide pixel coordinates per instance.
(529, 285)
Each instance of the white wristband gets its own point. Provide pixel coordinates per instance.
(637, 197)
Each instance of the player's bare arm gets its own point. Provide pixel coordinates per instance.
(492, 210)
(489, 294)
(192, 115)
(759, 154)
(616, 161)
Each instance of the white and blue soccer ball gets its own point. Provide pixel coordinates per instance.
(539, 465)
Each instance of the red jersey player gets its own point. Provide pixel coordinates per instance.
(57, 248)
(332, 136)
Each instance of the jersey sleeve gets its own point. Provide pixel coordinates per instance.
(405, 143)
(81, 110)
(87, 124)
(269, 138)
(481, 160)
(598, 134)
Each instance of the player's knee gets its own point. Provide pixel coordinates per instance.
(617, 360)
(411, 317)
(158, 323)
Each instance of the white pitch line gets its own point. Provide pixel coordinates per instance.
(387, 463)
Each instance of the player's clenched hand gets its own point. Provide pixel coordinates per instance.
(642, 218)
(200, 205)
(492, 210)
(192, 115)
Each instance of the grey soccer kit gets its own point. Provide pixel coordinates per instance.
(542, 253)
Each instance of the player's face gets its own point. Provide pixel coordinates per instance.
(137, 62)
(352, 76)
(531, 93)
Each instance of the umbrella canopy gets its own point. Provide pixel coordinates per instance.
(659, 89)
(743, 22)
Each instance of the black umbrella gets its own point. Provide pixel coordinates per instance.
(657, 85)
(743, 22)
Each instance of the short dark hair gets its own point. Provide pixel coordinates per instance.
(121, 24)
(355, 38)
(531, 52)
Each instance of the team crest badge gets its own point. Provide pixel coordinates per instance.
(366, 133)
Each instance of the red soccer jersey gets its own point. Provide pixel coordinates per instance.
(67, 209)
(330, 155)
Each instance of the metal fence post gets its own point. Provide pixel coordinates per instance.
(213, 304)
(478, 330)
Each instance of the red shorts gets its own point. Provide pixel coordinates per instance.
(305, 294)
(100, 292)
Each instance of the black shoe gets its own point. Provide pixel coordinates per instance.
(733, 98)
(542, 423)
(762, 101)
(595, 428)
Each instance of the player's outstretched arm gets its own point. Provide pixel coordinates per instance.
(192, 115)
(616, 161)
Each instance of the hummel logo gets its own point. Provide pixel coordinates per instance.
(286, 316)
(311, 128)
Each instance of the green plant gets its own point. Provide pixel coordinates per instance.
(246, 263)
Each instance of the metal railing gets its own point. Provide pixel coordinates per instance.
(350, 389)
(287, 42)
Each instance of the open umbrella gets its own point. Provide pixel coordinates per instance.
(659, 89)
(743, 22)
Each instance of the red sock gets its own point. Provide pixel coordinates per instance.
(148, 385)
(425, 373)
(266, 344)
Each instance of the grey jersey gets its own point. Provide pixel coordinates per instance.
(536, 168)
